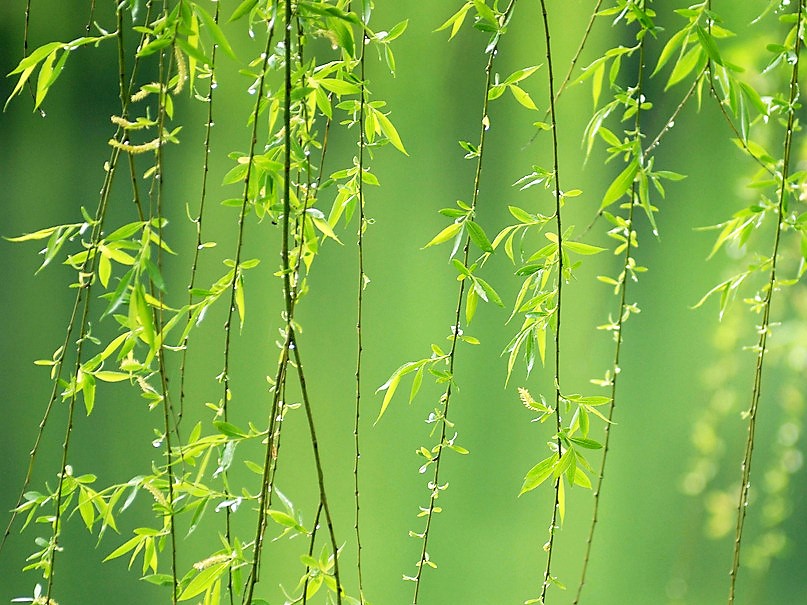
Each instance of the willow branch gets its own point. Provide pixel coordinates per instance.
(764, 327)
(558, 306)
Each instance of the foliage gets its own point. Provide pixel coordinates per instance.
(307, 84)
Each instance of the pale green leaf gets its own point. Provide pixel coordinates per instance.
(389, 131)
(620, 185)
(203, 580)
(538, 474)
(445, 235)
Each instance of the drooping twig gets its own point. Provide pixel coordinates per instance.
(618, 329)
(765, 325)
(558, 302)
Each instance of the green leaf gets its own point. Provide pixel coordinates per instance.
(521, 215)
(416, 383)
(456, 20)
(228, 429)
(390, 387)
(596, 82)
(538, 474)
(325, 227)
(485, 12)
(445, 235)
(470, 305)
(124, 548)
(285, 520)
(389, 131)
(88, 392)
(45, 78)
(20, 83)
(240, 305)
(327, 10)
(203, 580)
(107, 376)
(670, 48)
(339, 87)
(143, 313)
(489, 291)
(709, 45)
(620, 185)
(36, 56)
(581, 479)
(159, 579)
(85, 507)
(478, 236)
(41, 234)
(586, 443)
(581, 248)
(213, 28)
(396, 31)
(685, 65)
(521, 74)
(522, 97)
(496, 91)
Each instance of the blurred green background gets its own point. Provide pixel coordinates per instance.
(678, 372)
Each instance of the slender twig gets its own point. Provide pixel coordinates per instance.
(237, 277)
(733, 127)
(26, 30)
(580, 47)
(456, 329)
(618, 329)
(311, 541)
(87, 269)
(194, 267)
(318, 463)
(575, 59)
(91, 18)
(671, 120)
(359, 309)
(25, 34)
(265, 496)
(269, 467)
(200, 215)
(558, 306)
(764, 327)
(159, 182)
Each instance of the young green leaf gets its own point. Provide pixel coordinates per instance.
(478, 236)
(620, 185)
(539, 473)
(445, 235)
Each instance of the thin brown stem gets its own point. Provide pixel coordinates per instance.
(311, 541)
(198, 221)
(618, 330)
(164, 76)
(764, 327)
(558, 304)
(575, 59)
(445, 399)
(359, 311)
(323, 498)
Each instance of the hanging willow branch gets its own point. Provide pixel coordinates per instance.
(765, 325)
